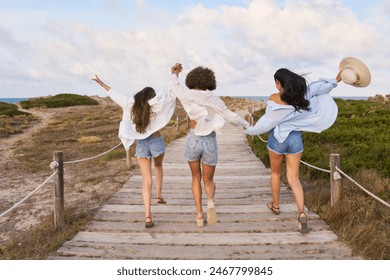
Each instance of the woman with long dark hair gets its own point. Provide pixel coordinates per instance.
(295, 108)
(144, 114)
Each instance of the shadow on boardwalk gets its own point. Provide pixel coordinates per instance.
(247, 229)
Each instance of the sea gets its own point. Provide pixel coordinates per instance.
(257, 98)
(12, 100)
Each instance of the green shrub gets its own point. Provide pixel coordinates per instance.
(360, 135)
(7, 109)
(59, 100)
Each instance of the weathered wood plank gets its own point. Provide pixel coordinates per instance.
(313, 251)
(204, 238)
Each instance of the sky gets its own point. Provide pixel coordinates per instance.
(52, 47)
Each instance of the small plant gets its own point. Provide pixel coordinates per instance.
(89, 139)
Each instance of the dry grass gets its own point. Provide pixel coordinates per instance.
(358, 219)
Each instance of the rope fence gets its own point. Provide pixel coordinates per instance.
(335, 176)
(57, 165)
(27, 196)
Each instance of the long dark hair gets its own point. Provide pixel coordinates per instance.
(142, 111)
(294, 89)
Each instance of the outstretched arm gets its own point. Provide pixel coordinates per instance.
(100, 82)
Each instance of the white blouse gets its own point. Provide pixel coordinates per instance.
(205, 107)
(163, 106)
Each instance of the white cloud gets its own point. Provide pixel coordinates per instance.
(244, 46)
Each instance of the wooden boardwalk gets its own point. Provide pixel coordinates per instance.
(246, 228)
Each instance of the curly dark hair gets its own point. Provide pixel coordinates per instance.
(294, 89)
(141, 112)
(201, 78)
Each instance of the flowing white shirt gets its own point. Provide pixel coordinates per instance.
(163, 106)
(205, 107)
(284, 118)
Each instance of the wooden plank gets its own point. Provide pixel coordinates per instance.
(190, 209)
(312, 251)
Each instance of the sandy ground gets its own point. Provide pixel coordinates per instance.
(14, 185)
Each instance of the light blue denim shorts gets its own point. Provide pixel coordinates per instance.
(291, 146)
(204, 148)
(150, 147)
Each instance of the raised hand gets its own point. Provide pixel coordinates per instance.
(176, 69)
(100, 82)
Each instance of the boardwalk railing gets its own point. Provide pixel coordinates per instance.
(57, 165)
(335, 176)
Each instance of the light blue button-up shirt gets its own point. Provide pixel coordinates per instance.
(284, 118)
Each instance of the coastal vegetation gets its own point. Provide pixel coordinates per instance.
(14, 121)
(361, 136)
(59, 101)
(10, 110)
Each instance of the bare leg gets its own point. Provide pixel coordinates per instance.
(208, 180)
(158, 167)
(145, 165)
(292, 165)
(209, 186)
(196, 186)
(276, 170)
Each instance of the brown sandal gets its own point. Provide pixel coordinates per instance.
(270, 206)
(303, 227)
(150, 223)
(160, 200)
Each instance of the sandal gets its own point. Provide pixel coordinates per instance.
(270, 206)
(303, 226)
(211, 213)
(200, 221)
(150, 223)
(160, 200)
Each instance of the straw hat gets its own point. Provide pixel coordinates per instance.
(354, 72)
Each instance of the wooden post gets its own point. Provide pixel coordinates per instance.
(177, 123)
(129, 162)
(251, 122)
(59, 191)
(335, 179)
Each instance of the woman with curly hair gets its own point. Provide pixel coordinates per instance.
(207, 114)
(144, 114)
(295, 108)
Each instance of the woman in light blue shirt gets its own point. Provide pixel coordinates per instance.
(296, 107)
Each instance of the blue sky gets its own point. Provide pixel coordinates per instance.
(51, 47)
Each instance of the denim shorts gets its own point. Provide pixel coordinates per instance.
(202, 148)
(150, 147)
(291, 146)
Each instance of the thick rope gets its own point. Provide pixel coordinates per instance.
(363, 189)
(315, 167)
(27, 196)
(86, 159)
